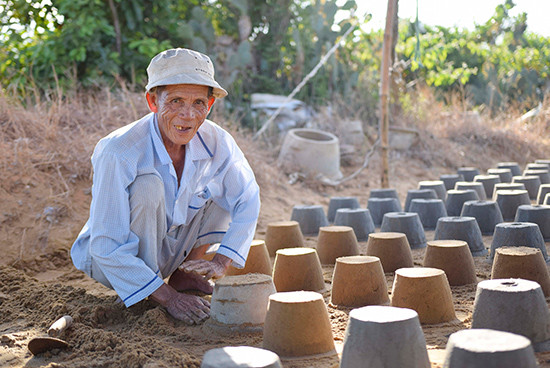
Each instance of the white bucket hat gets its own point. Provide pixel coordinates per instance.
(182, 66)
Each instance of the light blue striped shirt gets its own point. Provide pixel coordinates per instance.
(214, 165)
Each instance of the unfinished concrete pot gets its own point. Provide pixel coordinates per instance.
(239, 303)
(297, 325)
(486, 213)
(427, 291)
(240, 357)
(420, 194)
(537, 214)
(456, 198)
(544, 189)
(512, 305)
(543, 175)
(461, 228)
(384, 336)
(468, 173)
(437, 185)
(531, 182)
(358, 219)
(392, 248)
(311, 151)
(334, 242)
(477, 186)
(283, 234)
(506, 186)
(358, 281)
(510, 200)
(407, 223)
(378, 207)
(516, 234)
(449, 180)
(258, 261)
(310, 218)
(486, 348)
(505, 175)
(513, 166)
(340, 202)
(488, 182)
(521, 263)
(429, 211)
(453, 257)
(298, 269)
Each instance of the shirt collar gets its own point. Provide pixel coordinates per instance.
(196, 149)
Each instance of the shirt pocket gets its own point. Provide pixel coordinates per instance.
(197, 201)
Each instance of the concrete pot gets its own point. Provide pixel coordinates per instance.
(385, 193)
(283, 234)
(340, 202)
(486, 348)
(477, 186)
(427, 291)
(258, 261)
(543, 161)
(311, 151)
(486, 213)
(544, 189)
(449, 180)
(392, 249)
(358, 219)
(298, 269)
(517, 234)
(537, 166)
(537, 214)
(488, 182)
(513, 166)
(420, 194)
(240, 357)
(384, 336)
(453, 257)
(429, 211)
(468, 173)
(358, 281)
(378, 207)
(456, 198)
(506, 186)
(239, 303)
(297, 325)
(532, 184)
(461, 228)
(437, 185)
(505, 175)
(509, 201)
(512, 305)
(334, 242)
(543, 175)
(521, 263)
(310, 218)
(407, 223)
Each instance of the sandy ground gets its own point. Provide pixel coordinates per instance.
(39, 284)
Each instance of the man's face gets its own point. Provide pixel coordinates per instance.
(181, 109)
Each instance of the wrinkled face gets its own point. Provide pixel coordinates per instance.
(181, 109)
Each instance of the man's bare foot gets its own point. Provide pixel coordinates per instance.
(181, 281)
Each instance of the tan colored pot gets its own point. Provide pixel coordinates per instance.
(336, 241)
(258, 261)
(393, 249)
(453, 257)
(521, 263)
(359, 281)
(298, 269)
(425, 290)
(283, 234)
(297, 324)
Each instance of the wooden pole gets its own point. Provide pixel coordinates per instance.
(385, 90)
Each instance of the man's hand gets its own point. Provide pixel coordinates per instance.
(190, 309)
(215, 268)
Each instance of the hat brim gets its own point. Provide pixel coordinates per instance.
(184, 78)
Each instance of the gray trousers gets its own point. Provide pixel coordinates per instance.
(159, 247)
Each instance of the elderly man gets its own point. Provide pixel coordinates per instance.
(166, 187)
